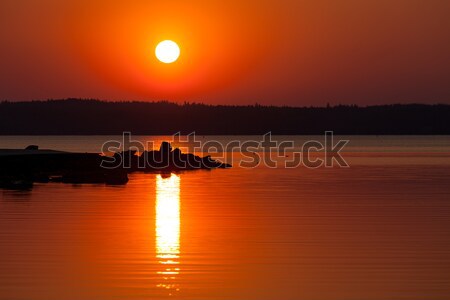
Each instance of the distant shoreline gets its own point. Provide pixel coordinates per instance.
(80, 117)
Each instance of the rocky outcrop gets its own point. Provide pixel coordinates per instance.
(20, 170)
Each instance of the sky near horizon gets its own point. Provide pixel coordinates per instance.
(280, 52)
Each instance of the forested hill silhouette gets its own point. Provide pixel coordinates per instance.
(89, 117)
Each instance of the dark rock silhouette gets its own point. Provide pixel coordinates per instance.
(166, 159)
(165, 147)
(21, 169)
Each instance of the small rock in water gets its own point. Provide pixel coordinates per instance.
(32, 147)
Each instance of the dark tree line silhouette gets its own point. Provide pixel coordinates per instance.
(89, 117)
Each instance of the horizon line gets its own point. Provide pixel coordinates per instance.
(187, 103)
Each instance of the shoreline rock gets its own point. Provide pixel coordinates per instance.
(20, 169)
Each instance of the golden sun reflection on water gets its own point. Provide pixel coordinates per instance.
(168, 229)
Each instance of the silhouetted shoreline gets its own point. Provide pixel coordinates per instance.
(94, 117)
(20, 169)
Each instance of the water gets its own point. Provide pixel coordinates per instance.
(427, 144)
(377, 230)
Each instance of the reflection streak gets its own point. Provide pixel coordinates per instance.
(168, 229)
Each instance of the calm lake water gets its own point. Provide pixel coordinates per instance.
(379, 229)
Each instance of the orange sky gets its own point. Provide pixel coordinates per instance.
(232, 52)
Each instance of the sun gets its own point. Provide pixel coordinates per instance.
(167, 51)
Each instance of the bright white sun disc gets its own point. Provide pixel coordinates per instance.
(167, 51)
